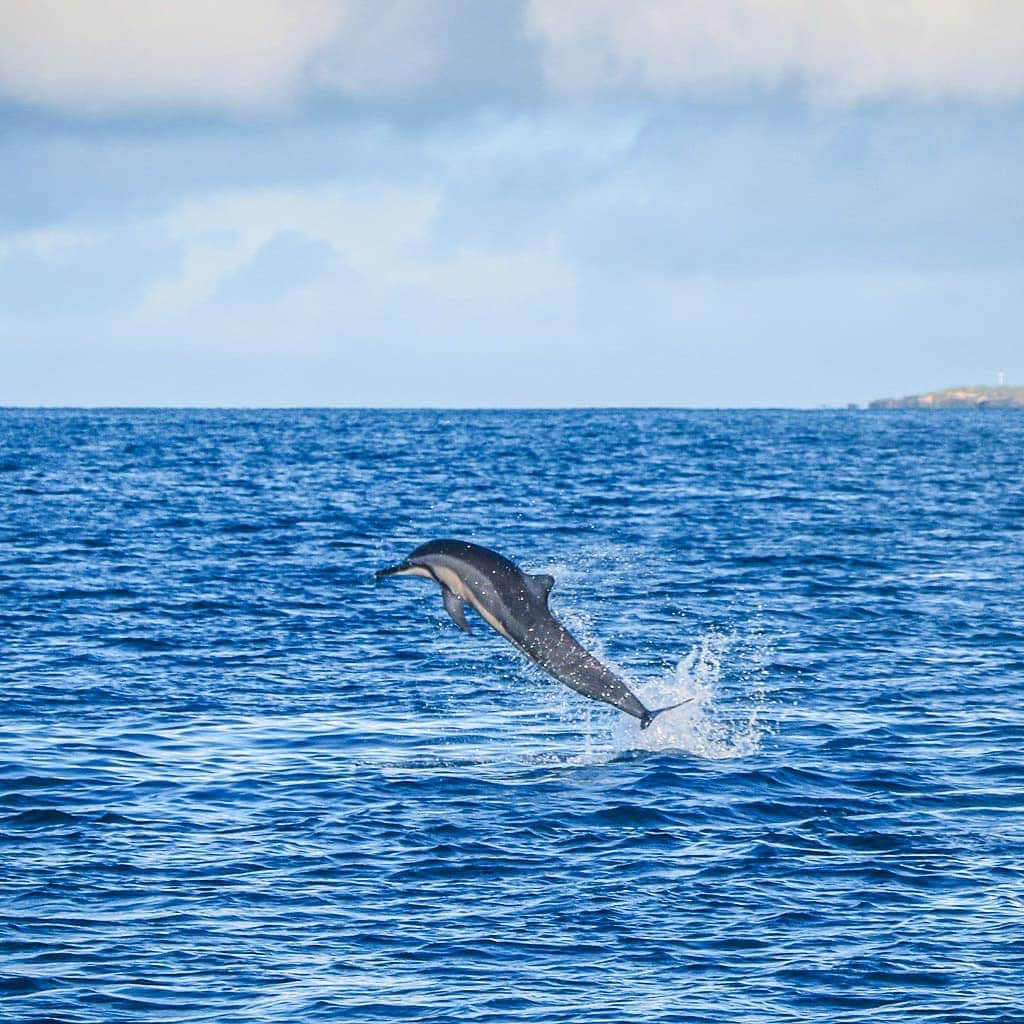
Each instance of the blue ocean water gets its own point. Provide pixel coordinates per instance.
(240, 781)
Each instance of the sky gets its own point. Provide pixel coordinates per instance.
(509, 202)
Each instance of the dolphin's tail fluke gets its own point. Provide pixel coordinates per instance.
(650, 716)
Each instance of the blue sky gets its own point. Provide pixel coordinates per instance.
(517, 202)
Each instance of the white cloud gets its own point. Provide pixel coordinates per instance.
(254, 57)
(367, 226)
(387, 49)
(247, 56)
(115, 55)
(47, 243)
(839, 50)
(381, 274)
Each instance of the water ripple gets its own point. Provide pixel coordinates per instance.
(239, 782)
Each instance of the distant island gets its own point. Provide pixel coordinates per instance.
(1001, 397)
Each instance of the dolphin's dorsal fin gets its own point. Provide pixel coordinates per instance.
(540, 585)
(456, 608)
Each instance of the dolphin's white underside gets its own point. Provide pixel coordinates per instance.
(450, 579)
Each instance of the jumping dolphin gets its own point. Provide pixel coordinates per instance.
(516, 605)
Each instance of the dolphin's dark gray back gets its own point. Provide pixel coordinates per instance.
(515, 604)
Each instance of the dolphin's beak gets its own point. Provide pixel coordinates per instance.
(393, 570)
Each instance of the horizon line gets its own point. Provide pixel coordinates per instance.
(56, 407)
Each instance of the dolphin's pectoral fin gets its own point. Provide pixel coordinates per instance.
(456, 608)
(540, 584)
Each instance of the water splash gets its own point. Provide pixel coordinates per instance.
(719, 720)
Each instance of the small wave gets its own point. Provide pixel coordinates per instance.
(21, 783)
(713, 723)
(20, 985)
(142, 643)
(40, 817)
(79, 593)
(232, 528)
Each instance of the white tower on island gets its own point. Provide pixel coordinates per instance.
(1001, 377)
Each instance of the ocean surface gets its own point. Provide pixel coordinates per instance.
(241, 781)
